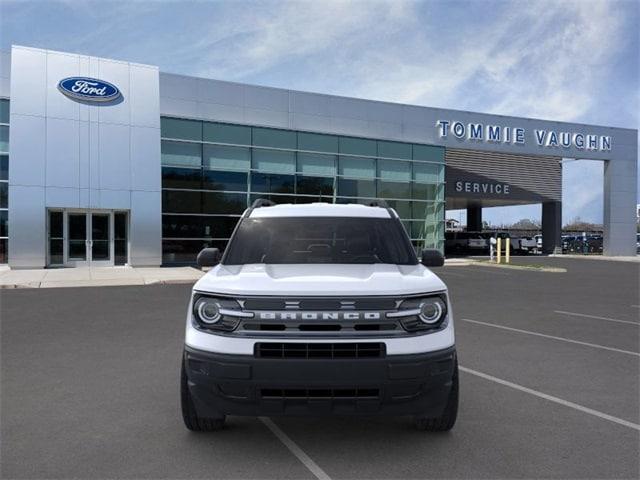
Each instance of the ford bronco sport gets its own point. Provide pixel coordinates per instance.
(319, 309)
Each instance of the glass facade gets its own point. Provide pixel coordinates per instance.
(211, 172)
(4, 180)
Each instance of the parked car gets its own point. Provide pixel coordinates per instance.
(582, 244)
(528, 245)
(466, 243)
(319, 309)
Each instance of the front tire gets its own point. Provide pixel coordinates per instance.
(190, 417)
(447, 420)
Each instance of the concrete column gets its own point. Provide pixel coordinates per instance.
(620, 198)
(474, 218)
(551, 226)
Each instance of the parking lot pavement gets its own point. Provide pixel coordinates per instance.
(90, 388)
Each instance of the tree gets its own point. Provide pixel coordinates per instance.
(526, 224)
(579, 225)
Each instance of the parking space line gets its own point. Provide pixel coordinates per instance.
(551, 398)
(562, 339)
(596, 317)
(295, 449)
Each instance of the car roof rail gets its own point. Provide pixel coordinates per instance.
(377, 203)
(262, 202)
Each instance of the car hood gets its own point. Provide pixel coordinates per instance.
(319, 280)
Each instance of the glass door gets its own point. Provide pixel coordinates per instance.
(77, 240)
(100, 242)
(120, 238)
(87, 238)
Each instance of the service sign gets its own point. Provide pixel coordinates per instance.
(88, 89)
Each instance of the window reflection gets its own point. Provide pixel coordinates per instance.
(213, 171)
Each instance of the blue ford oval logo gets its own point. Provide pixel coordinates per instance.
(89, 89)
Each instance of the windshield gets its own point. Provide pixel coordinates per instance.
(353, 240)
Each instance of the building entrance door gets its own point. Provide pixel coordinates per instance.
(87, 238)
(77, 240)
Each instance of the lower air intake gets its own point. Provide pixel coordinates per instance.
(311, 393)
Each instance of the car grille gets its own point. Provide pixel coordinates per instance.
(320, 350)
(320, 304)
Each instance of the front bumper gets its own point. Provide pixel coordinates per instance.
(223, 384)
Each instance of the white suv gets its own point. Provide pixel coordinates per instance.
(319, 309)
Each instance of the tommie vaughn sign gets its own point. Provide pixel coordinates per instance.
(478, 132)
(88, 89)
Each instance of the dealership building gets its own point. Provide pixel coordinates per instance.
(107, 162)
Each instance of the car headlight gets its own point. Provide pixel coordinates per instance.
(431, 310)
(422, 313)
(216, 313)
(208, 310)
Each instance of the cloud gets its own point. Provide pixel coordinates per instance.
(273, 34)
(569, 60)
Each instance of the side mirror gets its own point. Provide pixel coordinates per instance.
(208, 257)
(432, 258)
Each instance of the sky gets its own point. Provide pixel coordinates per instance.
(558, 60)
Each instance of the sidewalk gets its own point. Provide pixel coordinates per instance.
(96, 277)
(635, 259)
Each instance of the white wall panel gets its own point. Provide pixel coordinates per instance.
(115, 199)
(341, 107)
(146, 228)
(84, 71)
(414, 115)
(5, 73)
(385, 129)
(145, 155)
(63, 153)
(384, 112)
(265, 98)
(28, 81)
(118, 74)
(214, 91)
(84, 149)
(223, 113)
(59, 66)
(179, 107)
(5, 87)
(179, 87)
(350, 126)
(27, 142)
(5, 64)
(144, 98)
(310, 103)
(83, 198)
(115, 156)
(28, 227)
(62, 197)
(271, 118)
(303, 121)
(94, 155)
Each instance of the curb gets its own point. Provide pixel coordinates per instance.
(521, 267)
(98, 283)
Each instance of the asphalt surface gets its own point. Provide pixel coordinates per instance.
(89, 381)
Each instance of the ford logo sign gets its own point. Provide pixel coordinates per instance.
(89, 89)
